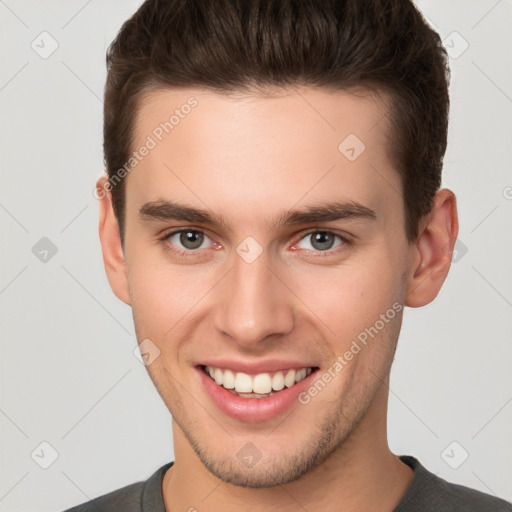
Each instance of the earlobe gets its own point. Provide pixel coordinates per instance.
(110, 238)
(432, 252)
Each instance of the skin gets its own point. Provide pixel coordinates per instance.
(247, 158)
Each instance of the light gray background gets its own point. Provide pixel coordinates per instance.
(68, 373)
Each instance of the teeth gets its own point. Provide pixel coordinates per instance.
(229, 379)
(289, 380)
(218, 376)
(301, 374)
(278, 381)
(243, 383)
(262, 384)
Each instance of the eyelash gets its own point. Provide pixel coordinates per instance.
(192, 252)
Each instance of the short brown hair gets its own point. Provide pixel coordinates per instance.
(236, 45)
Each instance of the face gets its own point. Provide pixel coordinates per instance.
(262, 240)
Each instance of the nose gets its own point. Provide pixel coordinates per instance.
(255, 306)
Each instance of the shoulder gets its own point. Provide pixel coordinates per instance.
(131, 498)
(430, 492)
(127, 499)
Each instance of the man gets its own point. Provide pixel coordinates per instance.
(272, 205)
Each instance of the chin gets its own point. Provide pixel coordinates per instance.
(262, 475)
(251, 468)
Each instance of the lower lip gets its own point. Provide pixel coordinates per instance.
(253, 409)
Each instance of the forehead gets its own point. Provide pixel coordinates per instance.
(294, 113)
(281, 147)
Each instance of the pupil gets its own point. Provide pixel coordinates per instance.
(322, 240)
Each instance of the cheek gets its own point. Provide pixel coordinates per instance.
(165, 297)
(349, 298)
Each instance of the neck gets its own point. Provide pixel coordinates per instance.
(361, 475)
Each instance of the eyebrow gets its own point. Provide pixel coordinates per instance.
(329, 212)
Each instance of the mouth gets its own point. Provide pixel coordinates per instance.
(255, 397)
(261, 385)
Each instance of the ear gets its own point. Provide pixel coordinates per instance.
(431, 254)
(113, 254)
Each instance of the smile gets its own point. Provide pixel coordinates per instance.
(256, 391)
(261, 385)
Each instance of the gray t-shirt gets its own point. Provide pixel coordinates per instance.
(426, 493)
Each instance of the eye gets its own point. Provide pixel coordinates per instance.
(189, 239)
(321, 241)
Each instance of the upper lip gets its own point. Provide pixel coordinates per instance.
(265, 366)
